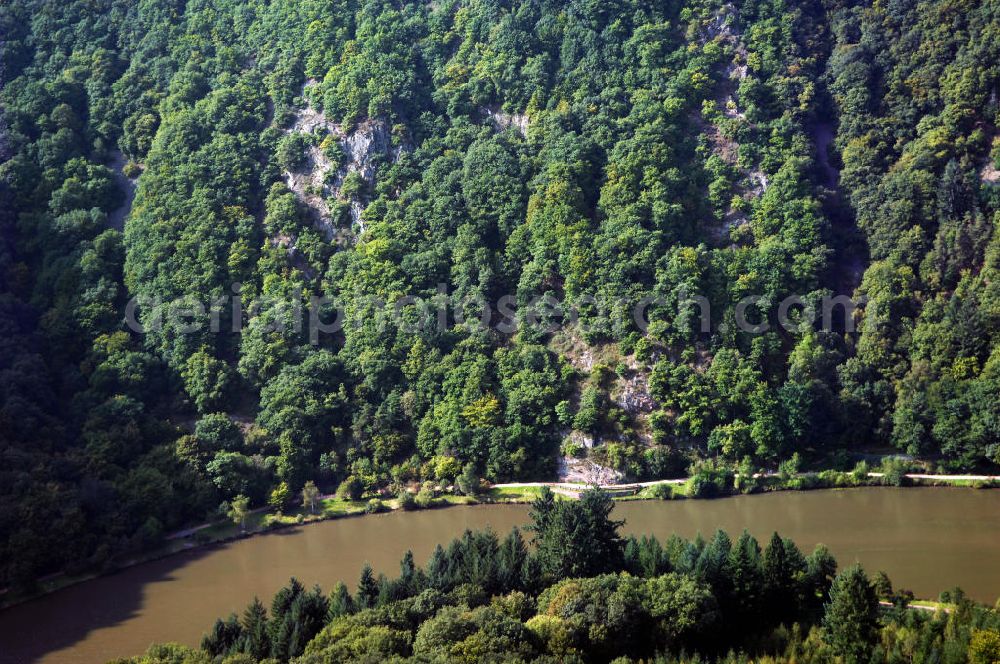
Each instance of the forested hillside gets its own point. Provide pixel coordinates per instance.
(592, 151)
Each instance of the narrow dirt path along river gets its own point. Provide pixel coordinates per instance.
(928, 540)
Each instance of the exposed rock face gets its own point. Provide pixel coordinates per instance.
(503, 120)
(364, 147)
(758, 182)
(753, 181)
(584, 361)
(634, 397)
(990, 174)
(582, 439)
(308, 182)
(366, 143)
(320, 180)
(585, 471)
(309, 119)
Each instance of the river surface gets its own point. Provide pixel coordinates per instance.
(928, 540)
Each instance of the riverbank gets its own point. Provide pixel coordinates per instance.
(330, 508)
(733, 484)
(927, 540)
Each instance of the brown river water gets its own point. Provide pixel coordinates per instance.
(928, 540)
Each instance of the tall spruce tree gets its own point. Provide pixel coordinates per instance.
(256, 640)
(851, 620)
(367, 595)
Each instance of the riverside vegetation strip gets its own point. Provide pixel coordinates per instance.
(331, 507)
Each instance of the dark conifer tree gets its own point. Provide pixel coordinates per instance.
(821, 567)
(511, 561)
(256, 640)
(746, 584)
(341, 603)
(653, 560)
(850, 623)
(437, 569)
(224, 637)
(713, 561)
(307, 616)
(368, 589)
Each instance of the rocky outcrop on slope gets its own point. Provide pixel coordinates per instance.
(332, 156)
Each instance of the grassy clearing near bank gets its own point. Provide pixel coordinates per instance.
(521, 494)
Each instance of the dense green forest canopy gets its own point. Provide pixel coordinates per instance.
(361, 151)
(606, 599)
